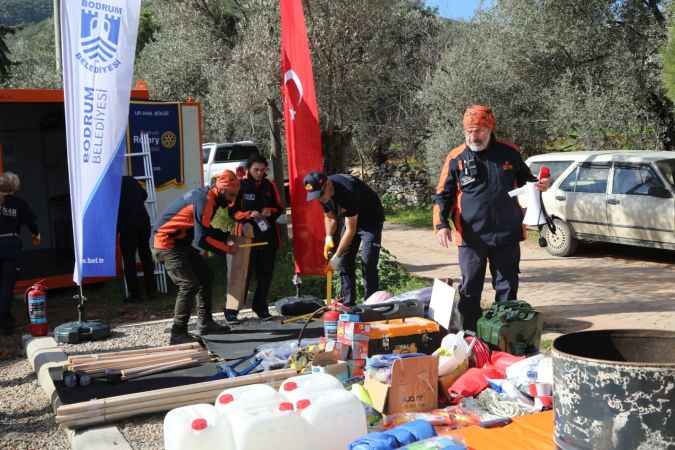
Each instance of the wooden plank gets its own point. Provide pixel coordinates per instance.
(237, 270)
(97, 404)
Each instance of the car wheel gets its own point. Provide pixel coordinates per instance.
(562, 242)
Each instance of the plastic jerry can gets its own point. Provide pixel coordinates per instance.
(196, 427)
(251, 396)
(299, 387)
(270, 428)
(336, 416)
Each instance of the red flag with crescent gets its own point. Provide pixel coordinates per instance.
(303, 138)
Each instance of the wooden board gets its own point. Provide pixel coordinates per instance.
(237, 271)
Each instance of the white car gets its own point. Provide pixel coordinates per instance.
(217, 158)
(626, 197)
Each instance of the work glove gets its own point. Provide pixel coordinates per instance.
(36, 240)
(336, 263)
(328, 246)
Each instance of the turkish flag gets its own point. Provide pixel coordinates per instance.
(303, 138)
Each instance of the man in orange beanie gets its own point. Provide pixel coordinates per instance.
(182, 232)
(487, 224)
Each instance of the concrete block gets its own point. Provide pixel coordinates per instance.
(99, 438)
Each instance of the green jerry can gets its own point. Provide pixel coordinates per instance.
(513, 327)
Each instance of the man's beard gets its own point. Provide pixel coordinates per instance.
(478, 146)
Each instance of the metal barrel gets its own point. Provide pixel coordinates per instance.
(614, 389)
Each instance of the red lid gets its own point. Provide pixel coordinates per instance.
(290, 386)
(302, 404)
(199, 424)
(286, 406)
(225, 399)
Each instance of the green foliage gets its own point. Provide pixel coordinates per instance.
(394, 278)
(20, 12)
(578, 70)
(413, 216)
(5, 62)
(147, 27)
(32, 50)
(668, 56)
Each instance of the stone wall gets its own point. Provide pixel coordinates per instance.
(399, 184)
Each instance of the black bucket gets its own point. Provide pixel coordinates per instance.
(614, 389)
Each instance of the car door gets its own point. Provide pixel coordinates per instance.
(639, 207)
(582, 199)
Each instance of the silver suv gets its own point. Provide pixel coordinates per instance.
(626, 197)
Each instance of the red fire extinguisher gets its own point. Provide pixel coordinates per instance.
(36, 304)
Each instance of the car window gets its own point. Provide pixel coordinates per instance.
(635, 180)
(222, 154)
(587, 178)
(206, 151)
(240, 152)
(667, 168)
(556, 167)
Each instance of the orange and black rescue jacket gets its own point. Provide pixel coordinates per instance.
(473, 192)
(258, 196)
(188, 221)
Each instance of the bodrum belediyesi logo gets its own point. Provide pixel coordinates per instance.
(99, 36)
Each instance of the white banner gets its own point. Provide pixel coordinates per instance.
(98, 48)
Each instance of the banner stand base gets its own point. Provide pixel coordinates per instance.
(76, 332)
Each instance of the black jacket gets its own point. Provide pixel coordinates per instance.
(473, 192)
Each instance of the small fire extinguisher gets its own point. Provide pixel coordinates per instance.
(36, 304)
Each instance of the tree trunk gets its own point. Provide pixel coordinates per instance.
(336, 146)
(277, 161)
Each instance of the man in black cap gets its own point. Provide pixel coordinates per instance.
(348, 198)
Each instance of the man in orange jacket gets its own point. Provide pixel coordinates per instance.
(181, 234)
(473, 193)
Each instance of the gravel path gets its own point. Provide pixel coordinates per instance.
(26, 418)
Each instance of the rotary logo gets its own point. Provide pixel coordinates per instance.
(168, 139)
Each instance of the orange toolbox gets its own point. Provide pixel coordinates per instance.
(409, 335)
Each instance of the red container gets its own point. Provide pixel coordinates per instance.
(36, 303)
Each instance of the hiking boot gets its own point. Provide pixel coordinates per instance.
(231, 317)
(265, 316)
(185, 338)
(179, 335)
(211, 327)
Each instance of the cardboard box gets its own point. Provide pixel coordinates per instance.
(446, 381)
(413, 387)
(359, 349)
(353, 331)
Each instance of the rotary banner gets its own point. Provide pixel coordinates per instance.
(98, 47)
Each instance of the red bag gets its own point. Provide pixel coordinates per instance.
(501, 360)
(472, 383)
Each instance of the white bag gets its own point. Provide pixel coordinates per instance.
(456, 344)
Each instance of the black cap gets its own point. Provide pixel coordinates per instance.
(314, 183)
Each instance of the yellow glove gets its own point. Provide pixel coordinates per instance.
(328, 246)
(36, 240)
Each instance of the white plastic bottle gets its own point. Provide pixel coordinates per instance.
(299, 387)
(251, 396)
(266, 427)
(196, 427)
(335, 416)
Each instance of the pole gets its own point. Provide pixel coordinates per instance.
(277, 163)
(57, 34)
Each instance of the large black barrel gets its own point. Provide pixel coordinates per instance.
(614, 389)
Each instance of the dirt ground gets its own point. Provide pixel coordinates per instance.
(603, 286)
